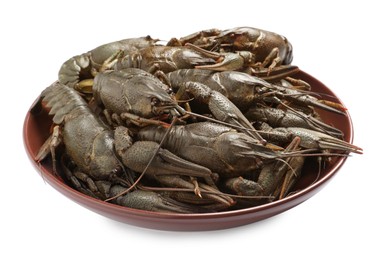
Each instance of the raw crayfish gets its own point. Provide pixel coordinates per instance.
(187, 127)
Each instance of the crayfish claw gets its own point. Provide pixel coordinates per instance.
(333, 105)
(150, 200)
(243, 186)
(226, 62)
(328, 106)
(277, 73)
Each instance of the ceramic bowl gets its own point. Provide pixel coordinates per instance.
(36, 130)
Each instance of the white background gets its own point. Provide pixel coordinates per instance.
(340, 44)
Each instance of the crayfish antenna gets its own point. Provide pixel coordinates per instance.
(316, 124)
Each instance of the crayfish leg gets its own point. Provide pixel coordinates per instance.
(272, 174)
(140, 121)
(272, 60)
(49, 147)
(85, 86)
(292, 176)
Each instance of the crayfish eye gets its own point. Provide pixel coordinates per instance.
(117, 171)
(155, 101)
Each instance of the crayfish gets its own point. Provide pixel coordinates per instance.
(208, 122)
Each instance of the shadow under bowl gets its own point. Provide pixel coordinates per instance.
(36, 130)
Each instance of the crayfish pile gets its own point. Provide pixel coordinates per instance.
(212, 121)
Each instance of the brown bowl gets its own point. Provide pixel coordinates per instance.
(36, 130)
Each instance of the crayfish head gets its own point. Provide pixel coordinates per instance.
(149, 98)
